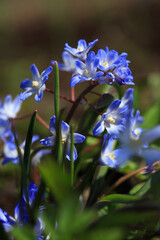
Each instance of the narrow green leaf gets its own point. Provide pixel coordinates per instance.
(56, 91)
(18, 149)
(151, 188)
(72, 162)
(28, 143)
(119, 198)
(57, 149)
(56, 179)
(97, 184)
(39, 196)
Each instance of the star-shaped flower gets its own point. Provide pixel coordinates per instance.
(35, 86)
(82, 49)
(65, 132)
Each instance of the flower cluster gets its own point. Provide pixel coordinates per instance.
(134, 141)
(106, 66)
(21, 214)
(118, 126)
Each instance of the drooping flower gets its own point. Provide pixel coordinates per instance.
(86, 71)
(68, 63)
(115, 67)
(10, 108)
(65, 132)
(35, 86)
(113, 120)
(82, 49)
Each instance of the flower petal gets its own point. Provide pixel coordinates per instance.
(78, 138)
(98, 128)
(49, 141)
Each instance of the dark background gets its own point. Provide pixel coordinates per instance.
(35, 31)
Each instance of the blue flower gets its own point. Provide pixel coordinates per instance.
(108, 156)
(86, 71)
(10, 108)
(123, 74)
(113, 120)
(65, 132)
(127, 99)
(135, 141)
(10, 150)
(35, 86)
(115, 67)
(82, 49)
(69, 62)
(7, 221)
(5, 130)
(21, 214)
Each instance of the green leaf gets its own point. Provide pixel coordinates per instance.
(28, 143)
(57, 149)
(56, 179)
(72, 162)
(72, 220)
(102, 234)
(23, 233)
(119, 198)
(151, 188)
(97, 184)
(137, 214)
(56, 91)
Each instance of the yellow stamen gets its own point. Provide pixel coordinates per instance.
(105, 64)
(111, 155)
(111, 120)
(79, 49)
(86, 71)
(35, 83)
(63, 140)
(137, 132)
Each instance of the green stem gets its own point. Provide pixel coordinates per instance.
(72, 162)
(56, 91)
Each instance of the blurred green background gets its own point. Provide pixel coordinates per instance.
(35, 31)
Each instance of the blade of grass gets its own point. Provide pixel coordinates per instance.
(72, 162)
(28, 143)
(56, 91)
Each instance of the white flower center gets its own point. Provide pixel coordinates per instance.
(80, 49)
(110, 120)
(35, 83)
(111, 155)
(105, 64)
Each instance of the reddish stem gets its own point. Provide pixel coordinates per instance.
(73, 94)
(61, 96)
(78, 100)
(22, 117)
(92, 106)
(124, 178)
(91, 147)
(42, 121)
